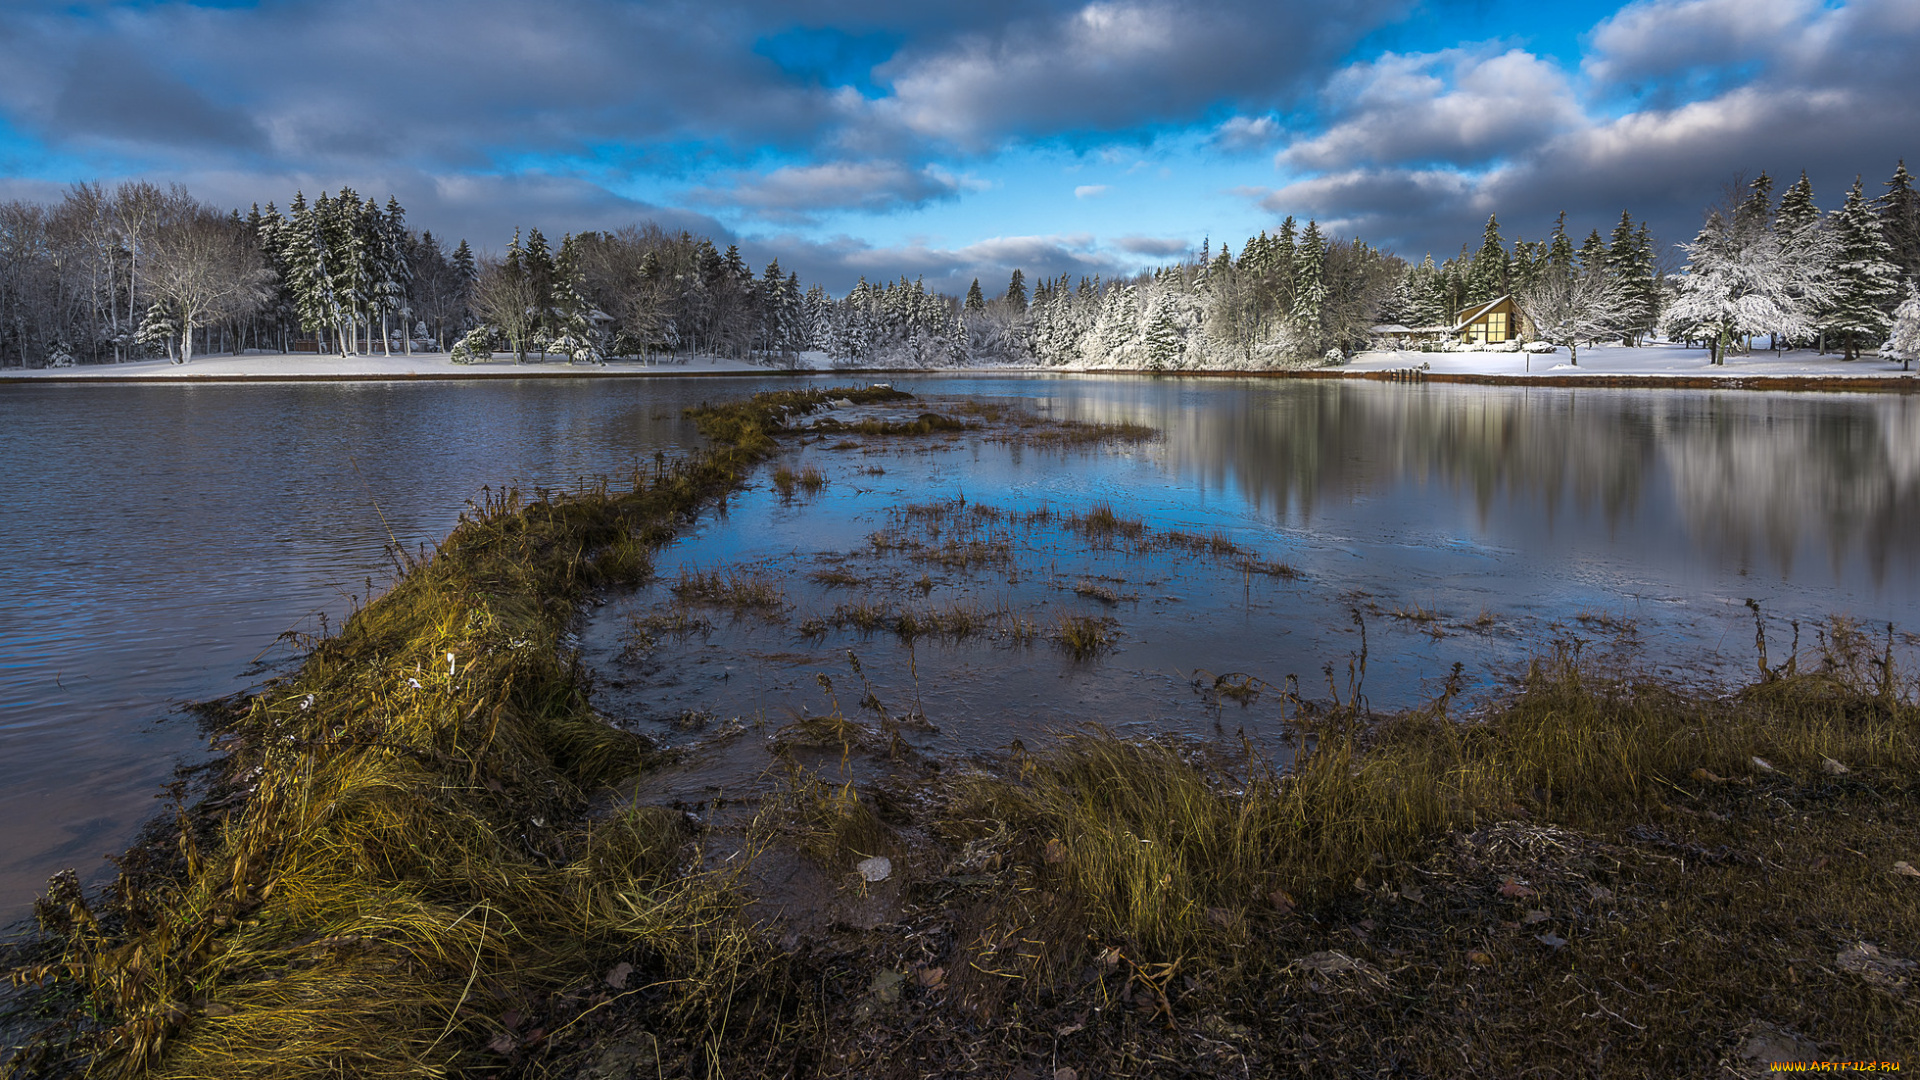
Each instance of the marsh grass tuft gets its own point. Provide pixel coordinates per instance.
(1084, 637)
(739, 590)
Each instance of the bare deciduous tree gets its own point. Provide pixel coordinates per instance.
(204, 267)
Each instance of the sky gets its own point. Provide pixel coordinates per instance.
(954, 141)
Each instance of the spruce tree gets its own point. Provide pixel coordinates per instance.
(1899, 211)
(1309, 289)
(1866, 282)
(1488, 278)
(1631, 270)
(1017, 291)
(572, 314)
(396, 285)
(1592, 255)
(1560, 247)
(975, 301)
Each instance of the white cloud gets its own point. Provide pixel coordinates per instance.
(1090, 191)
(1458, 105)
(1246, 133)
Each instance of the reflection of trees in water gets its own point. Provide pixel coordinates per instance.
(1287, 449)
(1752, 473)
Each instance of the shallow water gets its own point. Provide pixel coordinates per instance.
(162, 537)
(1449, 527)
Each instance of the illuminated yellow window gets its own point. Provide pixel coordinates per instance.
(1497, 327)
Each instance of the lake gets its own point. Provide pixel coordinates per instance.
(164, 538)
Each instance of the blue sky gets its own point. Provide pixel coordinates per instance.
(851, 137)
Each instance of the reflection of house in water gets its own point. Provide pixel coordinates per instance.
(1493, 323)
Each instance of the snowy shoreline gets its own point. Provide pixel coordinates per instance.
(1647, 365)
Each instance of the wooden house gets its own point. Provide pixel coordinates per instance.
(1495, 322)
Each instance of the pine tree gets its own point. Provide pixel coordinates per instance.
(309, 265)
(1866, 282)
(1487, 280)
(1560, 247)
(1899, 211)
(1310, 287)
(1017, 291)
(1162, 334)
(572, 314)
(396, 279)
(1803, 237)
(1592, 255)
(541, 275)
(975, 301)
(1903, 339)
(1631, 268)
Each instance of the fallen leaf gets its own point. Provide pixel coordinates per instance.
(1109, 957)
(1282, 901)
(1413, 893)
(1599, 892)
(511, 1018)
(1535, 916)
(1821, 863)
(1069, 1029)
(886, 986)
(503, 1044)
(932, 978)
(1552, 941)
(1763, 765)
(1056, 852)
(1513, 890)
(1905, 869)
(1367, 925)
(1480, 958)
(1066, 1072)
(1706, 776)
(1220, 917)
(214, 1008)
(617, 978)
(1833, 768)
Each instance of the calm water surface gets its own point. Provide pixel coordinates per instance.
(161, 538)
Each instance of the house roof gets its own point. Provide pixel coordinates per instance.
(1468, 316)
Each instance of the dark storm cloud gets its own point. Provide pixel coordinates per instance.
(113, 92)
(797, 193)
(1117, 66)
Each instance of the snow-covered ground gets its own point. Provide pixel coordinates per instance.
(309, 366)
(1651, 361)
(1654, 361)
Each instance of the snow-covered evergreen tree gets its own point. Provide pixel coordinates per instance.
(1899, 211)
(573, 334)
(1310, 286)
(1865, 281)
(1487, 278)
(1903, 337)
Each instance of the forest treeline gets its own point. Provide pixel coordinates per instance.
(133, 271)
